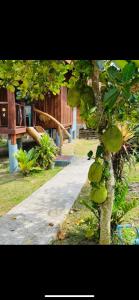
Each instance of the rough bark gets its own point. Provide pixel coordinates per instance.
(106, 207)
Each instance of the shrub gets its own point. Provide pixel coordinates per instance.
(121, 205)
(46, 151)
(26, 160)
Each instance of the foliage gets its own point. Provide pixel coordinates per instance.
(46, 151)
(121, 205)
(91, 229)
(31, 79)
(26, 160)
(128, 236)
(115, 100)
(39, 157)
(126, 153)
(120, 208)
(134, 142)
(3, 142)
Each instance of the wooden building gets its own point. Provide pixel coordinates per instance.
(16, 116)
(57, 107)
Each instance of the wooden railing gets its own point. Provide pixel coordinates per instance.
(20, 115)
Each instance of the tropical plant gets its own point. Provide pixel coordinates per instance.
(114, 100)
(126, 153)
(120, 207)
(27, 160)
(46, 151)
(121, 204)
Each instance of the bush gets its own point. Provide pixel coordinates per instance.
(121, 205)
(93, 226)
(36, 158)
(26, 160)
(46, 152)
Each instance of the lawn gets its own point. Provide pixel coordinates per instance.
(75, 230)
(80, 147)
(15, 188)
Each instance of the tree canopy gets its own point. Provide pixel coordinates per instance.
(118, 86)
(33, 78)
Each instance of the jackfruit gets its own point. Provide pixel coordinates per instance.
(73, 97)
(95, 172)
(99, 195)
(112, 139)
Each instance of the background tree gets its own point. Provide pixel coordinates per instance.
(32, 79)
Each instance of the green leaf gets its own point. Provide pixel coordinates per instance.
(136, 62)
(11, 88)
(128, 72)
(120, 63)
(113, 73)
(110, 97)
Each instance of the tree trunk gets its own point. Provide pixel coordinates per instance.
(106, 207)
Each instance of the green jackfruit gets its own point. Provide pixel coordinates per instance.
(99, 195)
(95, 172)
(73, 97)
(112, 139)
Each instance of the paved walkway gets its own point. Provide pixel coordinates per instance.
(36, 220)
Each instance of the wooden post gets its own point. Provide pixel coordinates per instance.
(11, 110)
(70, 131)
(61, 139)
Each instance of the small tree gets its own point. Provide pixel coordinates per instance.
(105, 93)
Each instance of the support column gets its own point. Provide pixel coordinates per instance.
(57, 139)
(70, 132)
(74, 123)
(19, 143)
(12, 145)
(61, 140)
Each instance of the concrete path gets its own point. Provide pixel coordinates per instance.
(36, 220)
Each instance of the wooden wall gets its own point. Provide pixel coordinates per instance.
(57, 107)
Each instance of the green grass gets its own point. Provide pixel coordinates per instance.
(80, 147)
(73, 230)
(15, 188)
(133, 175)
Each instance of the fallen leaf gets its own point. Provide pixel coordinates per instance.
(61, 235)
(50, 224)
